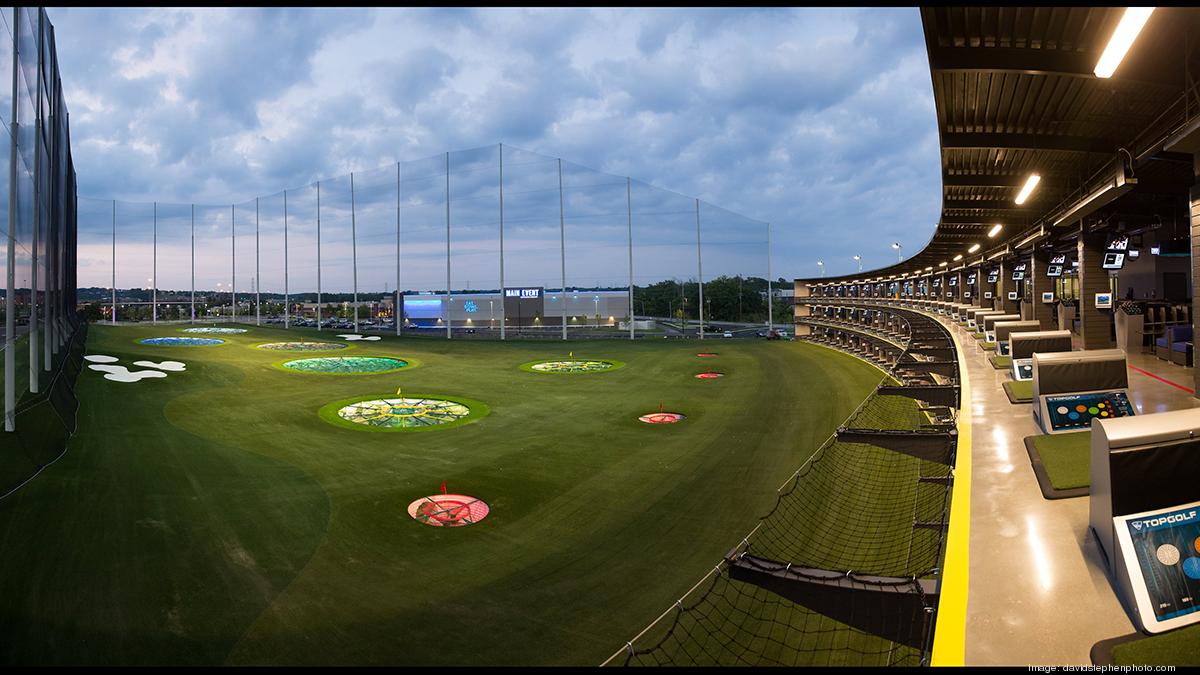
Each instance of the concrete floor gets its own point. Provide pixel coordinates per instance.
(1038, 590)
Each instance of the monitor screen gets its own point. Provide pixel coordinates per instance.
(1104, 301)
(1054, 270)
(1058, 259)
(1133, 253)
(1113, 260)
(1118, 242)
(993, 277)
(1018, 275)
(987, 295)
(1012, 295)
(970, 278)
(1048, 297)
(1154, 250)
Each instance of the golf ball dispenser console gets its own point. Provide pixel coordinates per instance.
(1022, 346)
(1070, 389)
(1001, 330)
(1145, 512)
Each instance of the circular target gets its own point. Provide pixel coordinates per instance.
(709, 376)
(207, 329)
(181, 342)
(1167, 554)
(662, 418)
(346, 365)
(448, 510)
(706, 354)
(302, 346)
(402, 413)
(572, 366)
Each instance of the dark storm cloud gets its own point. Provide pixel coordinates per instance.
(818, 120)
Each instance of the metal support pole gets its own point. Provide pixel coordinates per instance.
(257, 272)
(699, 270)
(503, 317)
(629, 221)
(770, 294)
(447, 311)
(114, 259)
(318, 256)
(354, 251)
(233, 259)
(399, 309)
(287, 298)
(193, 263)
(34, 334)
(10, 309)
(562, 249)
(154, 268)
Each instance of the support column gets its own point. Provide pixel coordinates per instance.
(1040, 283)
(1094, 324)
(977, 287)
(1194, 218)
(801, 309)
(1003, 286)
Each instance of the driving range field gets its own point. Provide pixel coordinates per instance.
(227, 513)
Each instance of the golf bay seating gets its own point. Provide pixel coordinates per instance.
(1091, 370)
(990, 321)
(1004, 329)
(1172, 346)
(1024, 345)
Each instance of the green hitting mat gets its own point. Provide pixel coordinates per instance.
(1000, 362)
(1019, 391)
(1062, 463)
(1176, 648)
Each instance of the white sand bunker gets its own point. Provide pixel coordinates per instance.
(173, 366)
(123, 374)
(352, 336)
(101, 358)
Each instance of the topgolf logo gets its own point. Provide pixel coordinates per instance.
(1164, 521)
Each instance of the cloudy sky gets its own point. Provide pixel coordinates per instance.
(820, 121)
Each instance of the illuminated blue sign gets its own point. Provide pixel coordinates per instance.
(469, 307)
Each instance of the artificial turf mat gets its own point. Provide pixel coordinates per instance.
(988, 346)
(211, 517)
(1062, 463)
(1176, 648)
(1000, 362)
(1019, 391)
(978, 336)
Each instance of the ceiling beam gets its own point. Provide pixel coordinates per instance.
(990, 180)
(1028, 61)
(995, 204)
(976, 220)
(990, 141)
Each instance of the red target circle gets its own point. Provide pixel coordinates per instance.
(709, 376)
(661, 418)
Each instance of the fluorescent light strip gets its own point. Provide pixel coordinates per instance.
(974, 247)
(958, 257)
(995, 230)
(1030, 184)
(1122, 39)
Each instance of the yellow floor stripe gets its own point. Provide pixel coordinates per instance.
(949, 639)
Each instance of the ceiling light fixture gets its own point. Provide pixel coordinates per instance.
(1122, 39)
(1030, 184)
(974, 247)
(995, 230)
(958, 257)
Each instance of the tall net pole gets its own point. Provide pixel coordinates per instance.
(448, 319)
(353, 251)
(114, 255)
(562, 248)
(287, 298)
(154, 268)
(193, 303)
(398, 309)
(503, 317)
(770, 294)
(699, 270)
(233, 258)
(318, 256)
(629, 222)
(10, 310)
(257, 272)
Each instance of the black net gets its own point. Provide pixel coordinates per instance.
(855, 514)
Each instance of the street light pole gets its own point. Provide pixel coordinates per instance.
(899, 256)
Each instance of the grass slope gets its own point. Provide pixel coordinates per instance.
(213, 517)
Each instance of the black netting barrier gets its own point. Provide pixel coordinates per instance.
(844, 569)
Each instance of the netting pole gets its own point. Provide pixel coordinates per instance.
(398, 308)
(503, 316)
(114, 257)
(353, 251)
(629, 221)
(770, 294)
(233, 259)
(562, 248)
(154, 267)
(257, 282)
(699, 270)
(287, 298)
(37, 226)
(318, 256)
(10, 319)
(193, 264)
(448, 246)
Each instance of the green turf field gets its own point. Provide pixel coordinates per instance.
(212, 516)
(1067, 458)
(1176, 648)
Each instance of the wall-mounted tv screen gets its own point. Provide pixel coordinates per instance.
(993, 276)
(1018, 275)
(1048, 297)
(1113, 260)
(1054, 270)
(1058, 259)
(1118, 242)
(1104, 301)
(970, 278)
(1133, 253)
(1012, 295)
(987, 295)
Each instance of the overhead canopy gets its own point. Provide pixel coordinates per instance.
(1015, 94)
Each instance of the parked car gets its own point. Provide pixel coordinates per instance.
(727, 334)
